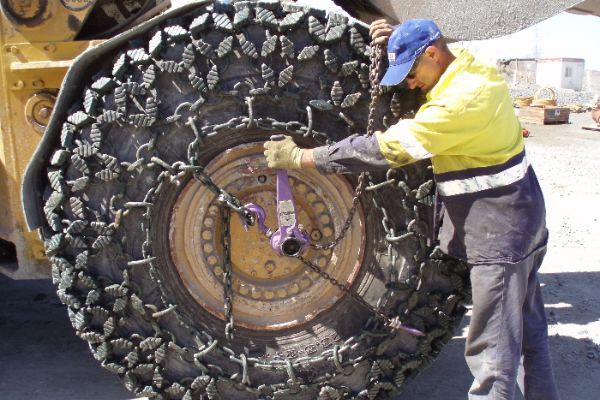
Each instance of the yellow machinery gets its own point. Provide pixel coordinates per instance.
(38, 47)
(39, 43)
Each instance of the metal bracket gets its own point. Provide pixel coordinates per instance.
(41, 65)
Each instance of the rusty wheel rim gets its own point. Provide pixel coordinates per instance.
(270, 292)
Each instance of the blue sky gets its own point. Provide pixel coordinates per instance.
(564, 35)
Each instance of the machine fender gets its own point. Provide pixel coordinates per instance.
(32, 187)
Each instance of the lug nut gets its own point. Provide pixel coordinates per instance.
(301, 188)
(305, 282)
(269, 295)
(244, 289)
(218, 271)
(294, 288)
(207, 235)
(324, 219)
(256, 293)
(281, 293)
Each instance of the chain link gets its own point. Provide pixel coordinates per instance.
(374, 72)
(227, 275)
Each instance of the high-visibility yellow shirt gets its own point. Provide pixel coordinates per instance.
(494, 206)
(467, 122)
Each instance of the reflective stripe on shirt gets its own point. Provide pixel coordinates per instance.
(406, 138)
(484, 182)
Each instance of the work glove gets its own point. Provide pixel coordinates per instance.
(283, 154)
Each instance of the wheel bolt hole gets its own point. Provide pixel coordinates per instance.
(262, 178)
(316, 235)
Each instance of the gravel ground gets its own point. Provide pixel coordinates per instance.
(562, 96)
(41, 358)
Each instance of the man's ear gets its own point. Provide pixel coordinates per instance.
(433, 53)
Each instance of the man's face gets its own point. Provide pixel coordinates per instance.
(428, 71)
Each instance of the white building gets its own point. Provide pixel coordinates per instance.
(561, 73)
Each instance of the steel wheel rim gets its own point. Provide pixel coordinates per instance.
(270, 292)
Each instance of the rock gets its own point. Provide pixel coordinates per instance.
(562, 96)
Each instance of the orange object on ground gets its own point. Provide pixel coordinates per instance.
(526, 132)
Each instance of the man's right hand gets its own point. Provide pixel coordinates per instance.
(283, 154)
(380, 31)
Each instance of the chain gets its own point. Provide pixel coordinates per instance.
(343, 288)
(374, 71)
(394, 323)
(227, 276)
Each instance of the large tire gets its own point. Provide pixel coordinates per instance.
(199, 92)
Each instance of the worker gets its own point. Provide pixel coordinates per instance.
(494, 208)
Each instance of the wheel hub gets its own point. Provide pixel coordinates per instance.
(269, 292)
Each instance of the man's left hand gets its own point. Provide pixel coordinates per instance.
(380, 31)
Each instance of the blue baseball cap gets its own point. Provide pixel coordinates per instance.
(407, 43)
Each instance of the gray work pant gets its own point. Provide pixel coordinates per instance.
(508, 335)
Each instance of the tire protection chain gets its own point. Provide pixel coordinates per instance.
(129, 291)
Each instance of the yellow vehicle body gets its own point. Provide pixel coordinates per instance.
(38, 45)
(37, 49)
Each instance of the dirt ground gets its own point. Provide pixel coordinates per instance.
(41, 358)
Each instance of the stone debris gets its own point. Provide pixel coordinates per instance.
(582, 98)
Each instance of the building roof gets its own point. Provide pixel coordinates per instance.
(547, 60)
